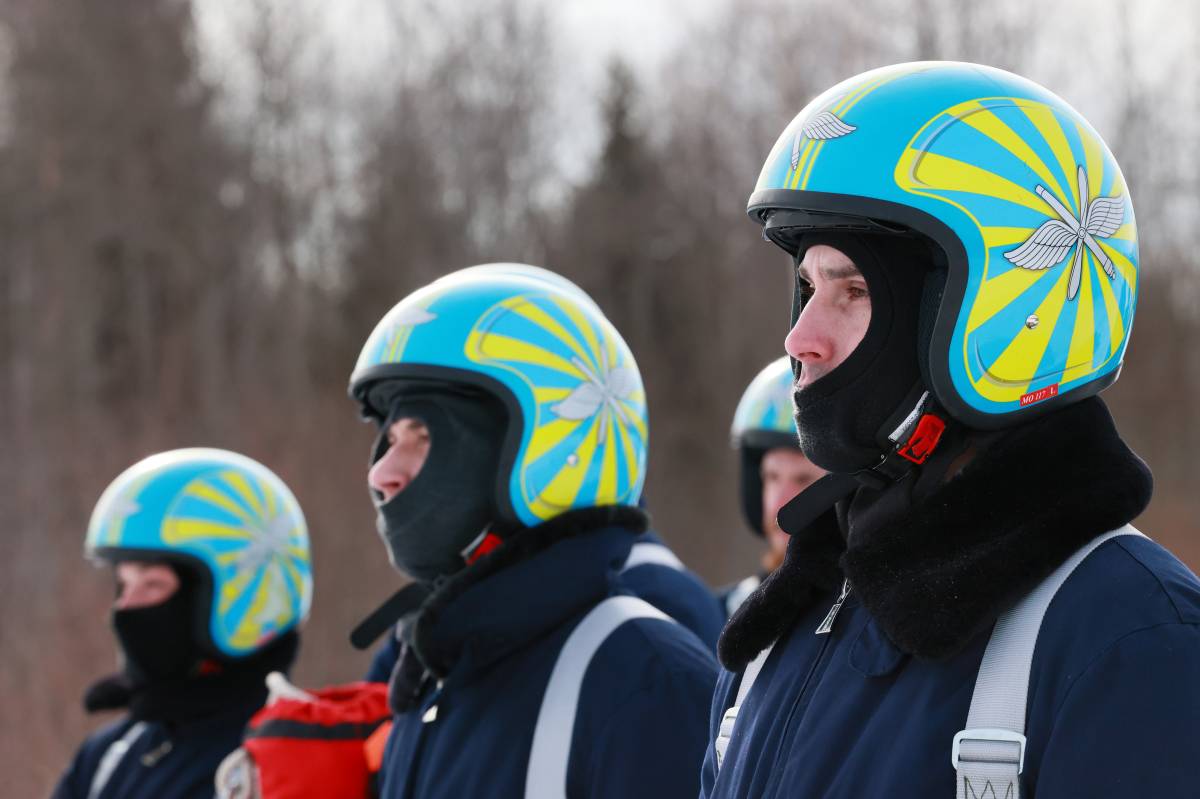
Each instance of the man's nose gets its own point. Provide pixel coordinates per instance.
(807, 341)
(389, 476)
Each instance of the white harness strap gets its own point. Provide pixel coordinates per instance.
(989, 754)
(112, 758)
(546, 774)
(646, 552)
(740, 593)
(729, 720)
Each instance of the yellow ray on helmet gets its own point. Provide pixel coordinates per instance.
(486, 346)
(241, 485)
(563, 489)
(1083, 340)
(522, 306)
(181, 530)
(203, 490)
(1008, 377)
(996, 294)
(935, 171)
(982, 119)
(1051, 129)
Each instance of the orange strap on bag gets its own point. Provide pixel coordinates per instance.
(373, 747)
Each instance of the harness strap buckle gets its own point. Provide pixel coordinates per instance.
(988, 745)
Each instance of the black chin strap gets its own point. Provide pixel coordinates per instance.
(384, 617)
(807, 506)
(912, 443)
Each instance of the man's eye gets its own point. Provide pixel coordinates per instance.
(804, 287)
(858, 292)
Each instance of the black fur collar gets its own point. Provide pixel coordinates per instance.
(937, 569)
(424, 654)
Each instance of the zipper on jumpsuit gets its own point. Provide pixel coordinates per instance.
(825, 630)
(429, 715)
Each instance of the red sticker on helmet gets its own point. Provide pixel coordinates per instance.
(1039, 395)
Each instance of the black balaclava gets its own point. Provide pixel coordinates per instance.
(450, 503)
(157, 640)
(845, 416)
(168, 676)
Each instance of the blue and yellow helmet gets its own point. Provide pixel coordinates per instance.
(577, 430)
(521, 270)
(232, 522)
(1021, 195)
(765, 415)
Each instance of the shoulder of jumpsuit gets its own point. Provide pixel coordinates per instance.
(1127, 585)
(197, 748)
(730, 597)
(668, 585)
(78, 776)
(505, 611)
(649, 672)
(1130, 588)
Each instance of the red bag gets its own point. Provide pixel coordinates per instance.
(309, 744)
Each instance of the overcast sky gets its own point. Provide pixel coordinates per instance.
(643, 32)
(640, 31)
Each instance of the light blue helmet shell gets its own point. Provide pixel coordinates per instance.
(577, 433)
(765, 414)
(1016, 188)
(231, 519)
(520, 270)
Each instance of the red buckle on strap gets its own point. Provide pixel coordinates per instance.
(924, 440)
(490, 542)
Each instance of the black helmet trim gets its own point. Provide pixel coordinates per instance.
(768, 439)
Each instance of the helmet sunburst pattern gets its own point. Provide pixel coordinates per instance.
(766, 405)
(259, 548)
(586, 438)
(792, 162)
(1022, 202)
(229, 517)
(391, 336)
(1056, 239)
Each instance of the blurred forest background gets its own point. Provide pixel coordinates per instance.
(196, 239)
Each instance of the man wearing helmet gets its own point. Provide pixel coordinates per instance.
(651, 570)
(506, 476)
(211, 558)
(773, 467)
(963, 607)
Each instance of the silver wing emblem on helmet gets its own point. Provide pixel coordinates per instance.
(122, 508)
(825, 126)
(1051, 242)
(271, 540)
(413, 316)
(596, 392)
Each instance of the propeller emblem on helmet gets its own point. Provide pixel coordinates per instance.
(1050, 243)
